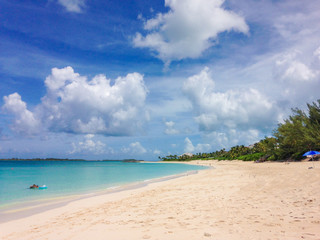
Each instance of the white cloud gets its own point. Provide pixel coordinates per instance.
(156, 151)
(188, 28)
(317, 53)
(90, 146)
(73, 5)
(290, 68)
(134, 148)
(296, 75)
(299, 71)
(137, 147)
(75, 104)
(296, 19)
(189, 147)
(170, 128)
(232, 137)
(287, 21)
(240, 108)
(170, 124)
(25, 121)
(217, 140)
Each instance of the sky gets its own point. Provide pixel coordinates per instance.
(106, 79)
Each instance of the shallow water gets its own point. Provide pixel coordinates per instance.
(65, 178)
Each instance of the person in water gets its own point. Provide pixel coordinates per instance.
(34, 186)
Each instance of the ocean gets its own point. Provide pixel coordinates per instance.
(65, 178)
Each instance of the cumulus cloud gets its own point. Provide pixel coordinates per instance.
(296, 74)
(90, 146)
(189, 147)
(188, 28)
(239, 108)
(227, 138)
(134, 148)
(232, 137)
(170, 128)
(73, 5)
(290, 68)
(77, 105)
(137, 147)
(25, 122)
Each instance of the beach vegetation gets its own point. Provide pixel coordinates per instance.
(251, 157)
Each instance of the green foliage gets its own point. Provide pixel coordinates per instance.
(268, 145)
(290, 135)
(169, 158)
(252, 157)
(272, 158)
(313, 125)
(299, 133)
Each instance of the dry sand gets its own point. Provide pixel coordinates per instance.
(236, 200)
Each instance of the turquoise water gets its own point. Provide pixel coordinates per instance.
(75, 177)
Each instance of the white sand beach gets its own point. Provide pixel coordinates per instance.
(233, 200)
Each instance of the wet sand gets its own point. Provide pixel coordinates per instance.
(233, 200)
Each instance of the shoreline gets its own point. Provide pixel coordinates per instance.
(17, 210)
(235, 200)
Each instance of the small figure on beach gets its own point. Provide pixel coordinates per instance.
(34, 186)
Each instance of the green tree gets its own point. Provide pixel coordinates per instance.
(292, 136)
(312, 133)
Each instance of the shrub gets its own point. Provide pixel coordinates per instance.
(251, 157)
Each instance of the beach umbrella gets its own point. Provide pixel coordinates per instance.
(311, 153)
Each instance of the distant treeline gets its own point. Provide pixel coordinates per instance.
(298, 134)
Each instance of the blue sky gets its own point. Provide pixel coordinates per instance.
(107, 79)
